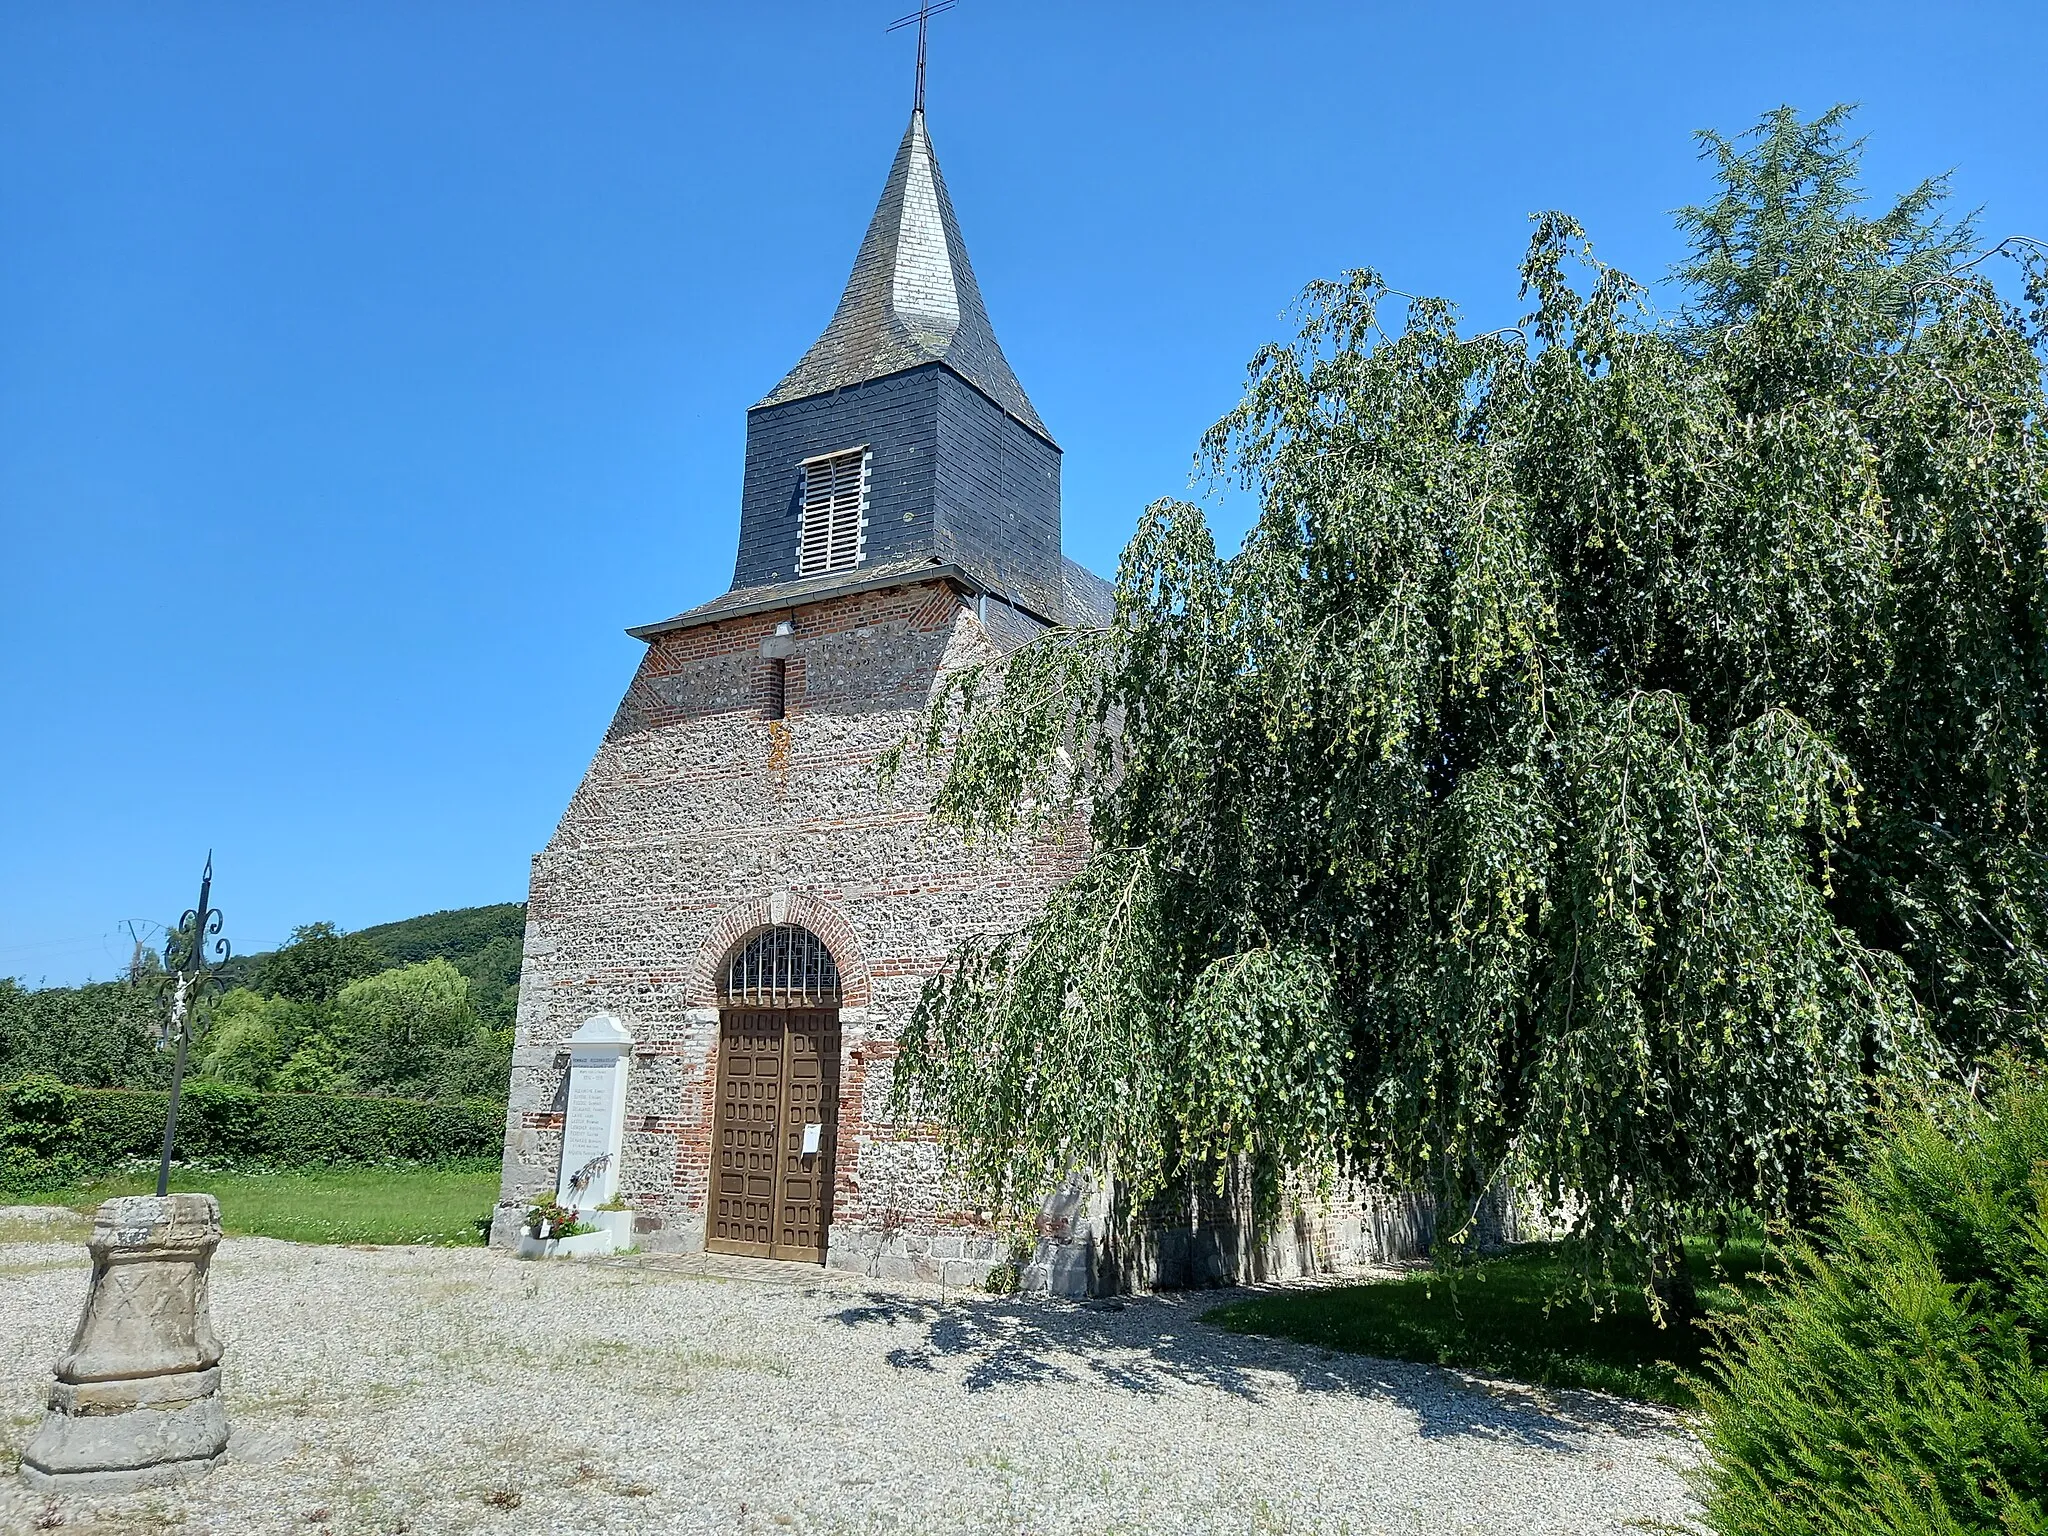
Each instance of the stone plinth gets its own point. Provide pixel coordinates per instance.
(136, 1402)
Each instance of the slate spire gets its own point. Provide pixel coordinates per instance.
(912, 298)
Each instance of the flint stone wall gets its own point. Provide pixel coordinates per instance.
(701, 821)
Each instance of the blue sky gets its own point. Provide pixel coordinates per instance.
(365, 369)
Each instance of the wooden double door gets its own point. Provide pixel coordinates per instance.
(778, 1128)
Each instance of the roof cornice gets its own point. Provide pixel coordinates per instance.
(745, 602)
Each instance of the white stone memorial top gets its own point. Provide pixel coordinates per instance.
(594, 1127)
(601, 1029)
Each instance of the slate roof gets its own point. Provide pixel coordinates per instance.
(912, 298)
(1089, 600)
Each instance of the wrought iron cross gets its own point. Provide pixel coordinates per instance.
(189, 974)
(922, 16)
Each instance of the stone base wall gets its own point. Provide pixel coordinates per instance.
(962, 1257)
(1093, 1243)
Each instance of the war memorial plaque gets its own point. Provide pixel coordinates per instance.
(594, 1118)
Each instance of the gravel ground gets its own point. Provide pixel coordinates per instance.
(429, 1390)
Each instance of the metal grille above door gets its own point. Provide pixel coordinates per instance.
(783, 967)
(833, 531)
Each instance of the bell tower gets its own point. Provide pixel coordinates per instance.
(902, 442)
(734, 881)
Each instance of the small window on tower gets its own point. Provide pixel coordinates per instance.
(835, 513)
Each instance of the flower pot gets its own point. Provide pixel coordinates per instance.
(584, 1245)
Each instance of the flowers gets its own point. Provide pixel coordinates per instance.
(548, 1218)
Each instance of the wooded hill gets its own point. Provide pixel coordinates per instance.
(420, 1007)
(481, 942)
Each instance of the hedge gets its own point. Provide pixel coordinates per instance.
(51, 1133)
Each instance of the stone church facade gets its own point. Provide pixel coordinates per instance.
(732, 882)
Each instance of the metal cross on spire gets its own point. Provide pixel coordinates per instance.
(922, 16)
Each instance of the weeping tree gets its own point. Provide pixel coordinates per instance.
(1614, 754)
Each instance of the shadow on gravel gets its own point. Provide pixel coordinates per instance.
(1150, 1345)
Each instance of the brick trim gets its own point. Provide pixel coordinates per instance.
(741, 921)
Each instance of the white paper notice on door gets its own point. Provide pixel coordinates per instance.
(811, 1134)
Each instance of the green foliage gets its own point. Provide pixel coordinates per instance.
(317, 964)
(1253, 1052)
(448, 935)
(317, 1066)
(40, 1115)
(493, 975)
(548, 1218)
(1788, 210)
(1526, 1314)
(1897, 1380)
(227, 1119)
(250, 1037)
(484, 943)
(39, 1129)
(396, 1026)
(1616, 745)
(407, 1031)
(279, 1024)
(96, 1035)
(304, 1128)
(51, 1134)
(479, 1067)
(1007, 1278)
(245, 1051)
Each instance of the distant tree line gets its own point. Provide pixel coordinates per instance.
(421, 1009)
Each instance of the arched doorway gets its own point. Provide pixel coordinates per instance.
(778, 1097)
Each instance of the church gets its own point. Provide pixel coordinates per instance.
(741, 903)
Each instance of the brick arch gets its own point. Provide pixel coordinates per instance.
(741, 921)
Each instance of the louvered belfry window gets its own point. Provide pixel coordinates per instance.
(783, 967)
(835, 515)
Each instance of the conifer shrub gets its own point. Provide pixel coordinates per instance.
(1895, 1380)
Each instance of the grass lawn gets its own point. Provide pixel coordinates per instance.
(441, 1206)
(1520, 1315)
